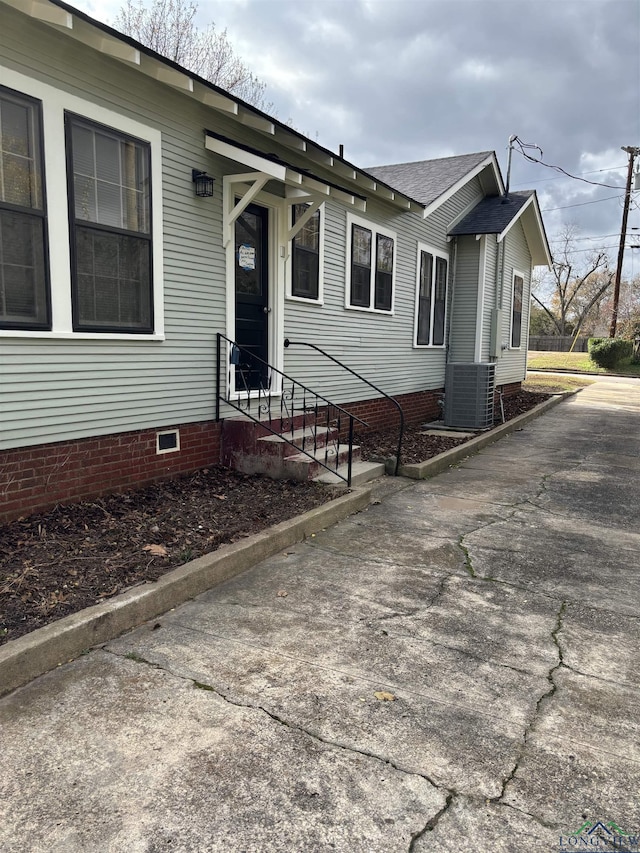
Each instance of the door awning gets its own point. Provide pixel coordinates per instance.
(301, 186)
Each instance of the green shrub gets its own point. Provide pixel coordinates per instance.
(611, 352)
(592, 342)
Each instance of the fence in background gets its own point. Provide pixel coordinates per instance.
(557, 343)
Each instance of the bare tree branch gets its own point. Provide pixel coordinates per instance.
(169, 28)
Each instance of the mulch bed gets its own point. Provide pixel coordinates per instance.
(417, 447)
(58, 562)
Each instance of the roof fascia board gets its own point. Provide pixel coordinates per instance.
(212, 99)
(112, 47)
(165, 74)
(530, 206)
(257, 122)
(46, 13)
(290, 141)
(447, 194)
(517, 216)
(476, 201)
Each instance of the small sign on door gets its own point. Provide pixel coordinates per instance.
(246, 257)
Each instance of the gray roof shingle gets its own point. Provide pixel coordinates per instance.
(426, 180)
(492, 214)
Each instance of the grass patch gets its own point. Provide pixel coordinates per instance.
(579, 362)
(554, 384)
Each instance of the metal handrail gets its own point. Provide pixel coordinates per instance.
(264, 407)
(289, 343)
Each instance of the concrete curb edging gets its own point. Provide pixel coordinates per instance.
(431, 467)
(27, 657)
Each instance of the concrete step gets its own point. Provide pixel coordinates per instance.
(361, 472)
(303, 438)
(301, 466)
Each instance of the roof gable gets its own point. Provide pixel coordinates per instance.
(428, 180)
(492, 214)
(498, 214)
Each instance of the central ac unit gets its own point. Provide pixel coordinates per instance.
(468, 395)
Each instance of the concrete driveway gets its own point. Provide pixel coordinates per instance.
(455, 668)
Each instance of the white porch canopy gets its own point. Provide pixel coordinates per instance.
(300, 187)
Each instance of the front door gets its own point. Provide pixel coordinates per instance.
(252, 297)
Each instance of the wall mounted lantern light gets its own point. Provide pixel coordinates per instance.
(203, 182)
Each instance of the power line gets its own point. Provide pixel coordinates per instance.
(522, 145)
(594, 237)
(581, 204)
(560, 177)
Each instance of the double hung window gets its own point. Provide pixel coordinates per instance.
(371, 267)
(305, 255)
(24, 285)
(516, 310)
(431, 298)
(110, 221)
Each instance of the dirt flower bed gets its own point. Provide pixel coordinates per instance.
(416, 447)
(56, 563)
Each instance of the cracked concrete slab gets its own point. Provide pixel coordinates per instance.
(585, 562)
(491, 622)
(493, 827)
(454, 668)
(323, 676)
(154, 763)
(586, 745)
(602, 644)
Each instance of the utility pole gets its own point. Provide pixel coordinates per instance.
(633, 153)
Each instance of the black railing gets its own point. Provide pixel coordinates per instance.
(289, 343)
(282, 405)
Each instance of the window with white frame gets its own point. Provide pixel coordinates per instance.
(24, 281)
(110, 215)
(371, 266)
(431, 297)
(80, 229)
(306, 255)
(516, 310)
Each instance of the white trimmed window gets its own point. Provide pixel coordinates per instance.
(431, 297)
(307, 256)
(110, 214)
(370, 266)
(24, 274)
(516, 309)
(89, 263)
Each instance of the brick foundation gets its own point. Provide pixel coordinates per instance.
(509, 390)
(381, 414)
(37, 478)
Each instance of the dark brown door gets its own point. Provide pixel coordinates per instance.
(252, 297)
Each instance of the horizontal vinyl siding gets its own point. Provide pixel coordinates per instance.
(54, 389)
(489, 294)
(465, 300)
(512, 366)
(379, 346)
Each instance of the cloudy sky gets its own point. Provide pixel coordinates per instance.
(402, 80)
